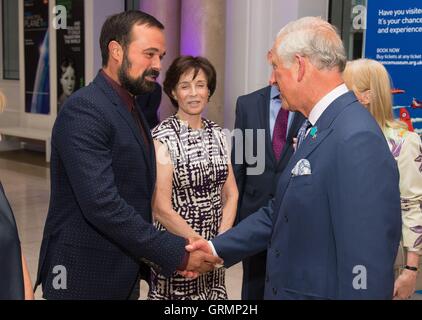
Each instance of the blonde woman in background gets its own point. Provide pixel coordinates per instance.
(15, 283)
(371, 83)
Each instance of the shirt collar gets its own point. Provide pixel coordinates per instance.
(275, 93)
(127, 98)
(323, 104)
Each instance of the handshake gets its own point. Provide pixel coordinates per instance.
(201, 258)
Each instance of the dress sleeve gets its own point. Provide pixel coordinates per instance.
(167, 136)
(410, 167)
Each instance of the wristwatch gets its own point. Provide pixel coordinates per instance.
(410, 268)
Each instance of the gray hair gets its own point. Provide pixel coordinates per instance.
(314, 38)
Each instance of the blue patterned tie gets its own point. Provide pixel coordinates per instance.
(301, 134)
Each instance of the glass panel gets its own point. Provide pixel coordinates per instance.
(356, 28)
(349, 16)
(132, 5)
(10, 39)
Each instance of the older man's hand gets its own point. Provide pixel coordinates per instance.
(201, 258)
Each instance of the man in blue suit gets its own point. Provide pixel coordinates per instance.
(333, 229)
(98, 238)
(260, 111)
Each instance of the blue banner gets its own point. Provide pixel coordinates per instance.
(394, 37)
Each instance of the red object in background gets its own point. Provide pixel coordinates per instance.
(405, 117)
(397, 91)
(416, 104)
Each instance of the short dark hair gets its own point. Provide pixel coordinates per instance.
(66, 63)
(184, 64)
(118, 27)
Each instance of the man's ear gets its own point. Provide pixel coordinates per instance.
(115, 51)
(301, 63)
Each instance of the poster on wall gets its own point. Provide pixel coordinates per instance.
(394, 37)
(70, 50)
(37, 69)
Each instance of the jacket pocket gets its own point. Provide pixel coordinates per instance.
(300, 181)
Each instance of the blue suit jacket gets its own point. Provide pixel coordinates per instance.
(322, 227)
(99, 220)
(253, 113)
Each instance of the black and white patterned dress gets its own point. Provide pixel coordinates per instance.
(200, 162)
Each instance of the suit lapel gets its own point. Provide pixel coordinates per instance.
(150, 142)
(297, 121)
(101, 82)
(310, 144)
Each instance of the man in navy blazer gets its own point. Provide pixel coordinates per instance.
(333, 229)
(257, 180)
(98, 238)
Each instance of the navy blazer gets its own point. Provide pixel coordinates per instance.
(252, 116)
(252, 112)
(99, 221)
(326, 231)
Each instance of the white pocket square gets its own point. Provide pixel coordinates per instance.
(302, 168)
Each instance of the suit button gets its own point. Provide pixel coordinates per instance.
(277, 254)
(267, 279)
(271, 195)
(275, 291)
(286, 219)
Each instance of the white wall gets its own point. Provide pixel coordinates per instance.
(313, 8)
(96, 12)
(251, 27)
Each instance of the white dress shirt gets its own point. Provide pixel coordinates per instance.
(323, 104)
(275, 106)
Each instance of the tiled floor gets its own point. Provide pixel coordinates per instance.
(25, 177)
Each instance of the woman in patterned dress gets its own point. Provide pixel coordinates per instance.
(196, 193)
(371, 84)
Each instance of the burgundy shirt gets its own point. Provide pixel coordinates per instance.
(129, 102)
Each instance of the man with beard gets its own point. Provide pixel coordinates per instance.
(98, 238)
